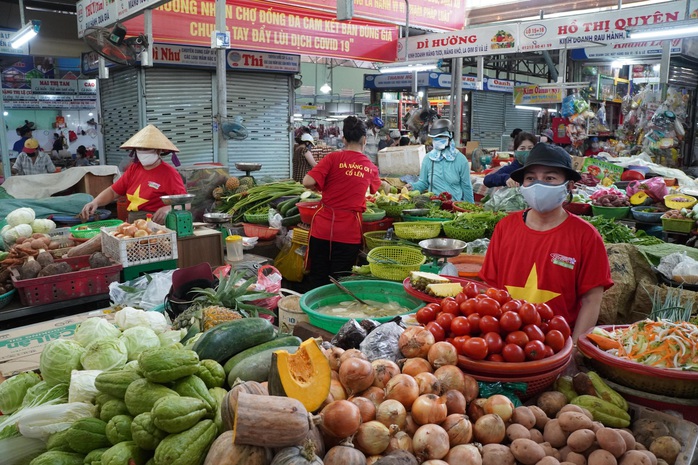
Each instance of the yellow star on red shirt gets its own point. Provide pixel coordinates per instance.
(531, 292)
(135, 200)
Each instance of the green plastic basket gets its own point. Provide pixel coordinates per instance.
(375, 239)
(417, 230)
(257, 218)
(409, 218)
(395, 211)
(612, 213)
(394, 263)
(6, 298)
(380, 291)
(677, 225)
(463, 234)
(90, 230)
(377, 215)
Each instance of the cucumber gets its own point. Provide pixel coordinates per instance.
(287, 205)
(225, 340)
(282, 341)
(292, 211)
(256, 367)
(283, 206)
(291, 220)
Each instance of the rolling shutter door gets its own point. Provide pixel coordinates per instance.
(119, 99)
(488, 113)
(262, 100)
(180, 103)
(515, 118)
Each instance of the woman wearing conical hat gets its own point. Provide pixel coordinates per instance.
(145, 180)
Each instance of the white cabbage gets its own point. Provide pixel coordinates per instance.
(129, 317)
(58, 359)
(172, 337)
(138, 339)
(93, 329)
(22, 215)
(105, 354)
(43, 226)
(21, 230)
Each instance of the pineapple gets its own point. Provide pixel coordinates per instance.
(232, 183)
(214, 315)
(241, 189)
(444, 290)
(420, 280)
(218, 193)
(247, 181)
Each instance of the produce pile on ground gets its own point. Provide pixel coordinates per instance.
(613, 232)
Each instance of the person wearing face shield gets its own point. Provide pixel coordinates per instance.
(545, 255)
(523, 143)
(145, 180)
(303, 160)
(444, 169)
(32, 160)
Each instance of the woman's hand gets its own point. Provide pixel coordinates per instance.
(160, 214)
(88, 210)
(512, 183)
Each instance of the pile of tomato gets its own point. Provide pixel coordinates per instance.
(492, 326)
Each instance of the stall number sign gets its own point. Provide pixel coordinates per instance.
(54, 86)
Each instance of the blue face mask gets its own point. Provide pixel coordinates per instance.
(521, 156)
(440, 143)
(544, 197)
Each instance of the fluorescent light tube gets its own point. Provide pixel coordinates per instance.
(526, 107)
(325, 89)
(24, 35)
(677, 29)
(405, 67)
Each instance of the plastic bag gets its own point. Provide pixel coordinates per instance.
(508, 200)
(507, 389)
(157, 289)
(686, 271)
(349, 336)
(654, 187)
(268, 280)
(382, 342)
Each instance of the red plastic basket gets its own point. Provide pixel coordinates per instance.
(536, 384)
(264, 233)
(307, 210)
(427, 298)
(82, 282)
(579, 208)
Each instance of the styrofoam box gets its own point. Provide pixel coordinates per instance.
(140, 250)
(684, 431)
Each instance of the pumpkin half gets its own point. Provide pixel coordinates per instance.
(304, 376)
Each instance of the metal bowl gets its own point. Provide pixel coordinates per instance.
(416, 211)
(177, 199)
(442, 247)
(248, 166)
(217, 217)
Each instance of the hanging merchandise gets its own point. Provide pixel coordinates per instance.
(576, 109)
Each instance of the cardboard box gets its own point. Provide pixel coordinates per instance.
(578, 163)
(20, 348)
(602, 169)
(401, 160)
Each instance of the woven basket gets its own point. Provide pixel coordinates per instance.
(375, 216)
(395, 211)
(417, 230)
(6, 298)
(375, 239)
(258, 218)
(394, 263)
(463, 234)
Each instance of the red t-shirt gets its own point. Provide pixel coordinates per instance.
(143, 188)
(556, 267)
(343, 178)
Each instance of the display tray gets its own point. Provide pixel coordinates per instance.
(427, 298)
(672, 283)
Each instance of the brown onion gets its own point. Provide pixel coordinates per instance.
(428, 383)
(435, 462)
(328, 400)
(404, 389)
(472, 389)
(333, 355)
(340, 419)
(464, 453)
(384, 370)
(355, 374)
(334, 375)
(399, 440)
(391, 412)
(372, 438)
(337, 390)
(476, 408)
(442, 353)
(373, 459)
(455, 401)
(450, 377)
(459, 429)
(429, 408)
(489, 429)
(499, 405)
(366, 406)
(415, 366)
(410, 425)
(374, 394)
(351, 353)
(430, 442)
(415, 341)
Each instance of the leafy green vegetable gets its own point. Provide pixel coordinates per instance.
(614, 232)
(105, 354)
(93, 329)
(13, 390)
(655, 252)
(58, 359)
(138, 339)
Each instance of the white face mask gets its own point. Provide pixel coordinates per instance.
(440, 143)
(544, 197)
(147, 157)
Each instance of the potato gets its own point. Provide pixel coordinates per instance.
(567, 463)
(554, 434)
(634, 457)
(653, 458)
(497, 454)
(548, 460)
(516, 431)
(666, 448)
(601, 457)
(523, 416)
(661, 461)
(550, 450)
(541, 417)
(572, 421)
(612, 441)
(628, 438)
(581, 440)
(536, 435)
(576, 458)
(526, 451)
(575, 408)
(596, 425)
(647, 430)
(551, 402)
(564, 450)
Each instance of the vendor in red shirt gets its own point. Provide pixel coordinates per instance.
(145, 180)
(343, 178)
(545, 254)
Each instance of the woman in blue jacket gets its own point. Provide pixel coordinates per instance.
(523, 143)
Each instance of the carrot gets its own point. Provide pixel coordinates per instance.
(603, 342)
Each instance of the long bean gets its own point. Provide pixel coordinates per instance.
(238, 204)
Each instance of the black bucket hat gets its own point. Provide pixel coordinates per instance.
(548, 155)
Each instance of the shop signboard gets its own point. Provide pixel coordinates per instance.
(272, 27)
(608, 28)
(6, 48)
(175, 55)
(91, 13)
(16, 94)
(498, 85)
(443, 80)
(54, 86)
(489, 40)
(626, 49)
(87, 86)
(395, 81)
(245, 60)
(433, 80)
(534, 95)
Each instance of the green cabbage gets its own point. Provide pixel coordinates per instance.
(138, 339)
(171, 337)
(93, 329)
(44, 226)
(58, 359)
(13, 390)
(43, 392)
(22, 215)
(105, 354)
(21, 230)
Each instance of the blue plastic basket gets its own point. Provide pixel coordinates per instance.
(6, 298)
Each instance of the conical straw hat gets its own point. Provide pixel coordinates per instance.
(149, 137)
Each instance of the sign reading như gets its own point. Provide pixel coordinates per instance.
(185, 56)
(490, 40)
(534, 95)
(261, 61)
(54, 86)
(6, 48)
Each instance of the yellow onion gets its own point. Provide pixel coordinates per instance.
(355, 374)
(415, 341)
(414, 366)
(402, 388)
(428, 383)
(372, 438)
(384, 370)
(391, 412)
(459, 429)
(429, 408)
(430, 442)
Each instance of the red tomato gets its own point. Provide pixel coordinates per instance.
(460, 326)
(468, 307)
(513, 353)
(500, 295)
(492, 292)
(488, 306)
(475, 348)
(535, 350)
(425, 315)
(549, 352)
(437, 330)
(544, 326)
(458, 342)
(444, 319)
(488, 324)
(495, 358)
(474, 320)
(461, 297)
(545, 312)
(436, 306)
(495, 344)
(559, 323)
(449, 305)
(555, 339)
(532, 331)
(512, 305)
(471, 290)
(529, 315)
(516, 337)
(510, 321)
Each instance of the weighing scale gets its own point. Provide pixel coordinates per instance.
(220, 222)
(181, 221)
(248, 167)
(439, 250)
